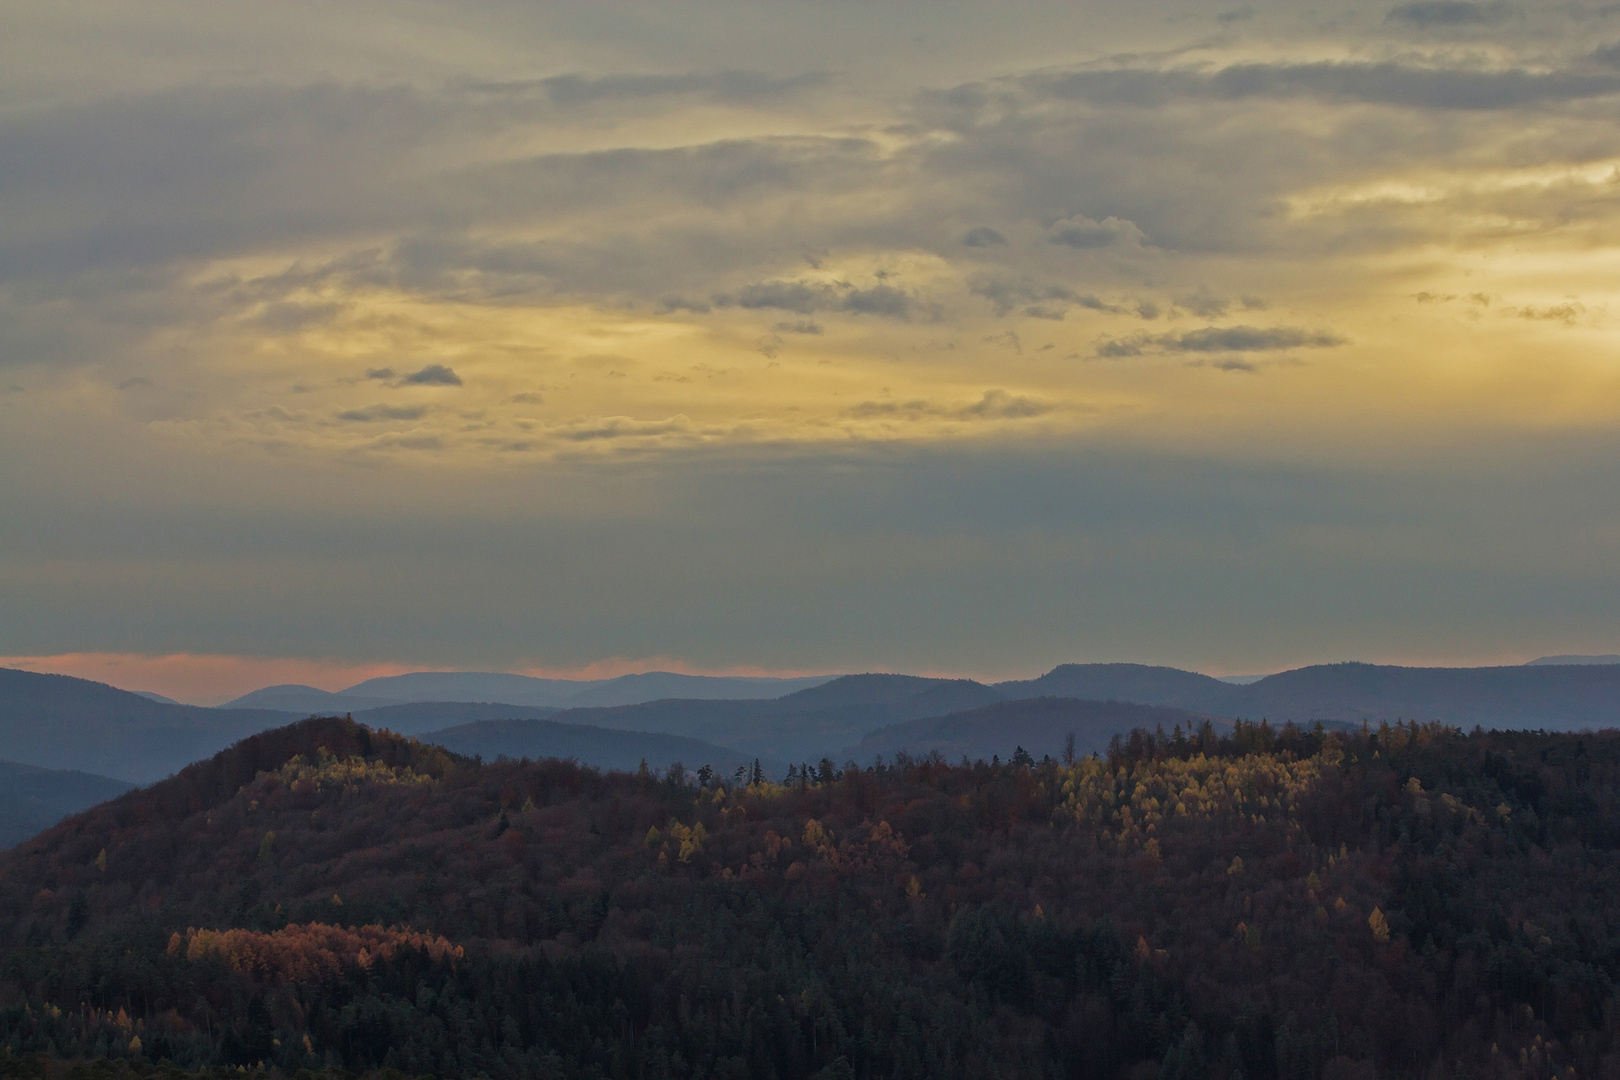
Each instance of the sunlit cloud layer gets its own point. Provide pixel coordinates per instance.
(377, 268)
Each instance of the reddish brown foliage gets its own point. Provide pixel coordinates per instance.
(308, 952)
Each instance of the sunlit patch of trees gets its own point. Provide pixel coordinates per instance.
(305, 953)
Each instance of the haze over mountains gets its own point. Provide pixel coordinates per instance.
(56, 722)
(517, 690)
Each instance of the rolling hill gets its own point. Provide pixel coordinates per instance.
(566, 693)
(803, 726)
(59, 722)
(1041, 726)
(601, 748)
(33, 799)
(322, 900)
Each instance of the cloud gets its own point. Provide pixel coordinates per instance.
(380, 373)
(1080, 231)
(1220, 339)
(799, 326)
(1432, 13)
(432, 375)
(1203, 303)
(374, 413)
(983, 236)
(995, 404)
(681, 303)
(731, 87)
(624, 427)
(1385, 82)
(807, 298)
(1567, 313)
(1000, 405)
(1006, 293)
(879, 300)
(290, 317)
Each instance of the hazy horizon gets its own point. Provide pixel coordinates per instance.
(197, 680)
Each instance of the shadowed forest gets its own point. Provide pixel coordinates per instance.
(1406, 901)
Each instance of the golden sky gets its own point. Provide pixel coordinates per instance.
(808, 336)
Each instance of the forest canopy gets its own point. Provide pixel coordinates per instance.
(1261, 902)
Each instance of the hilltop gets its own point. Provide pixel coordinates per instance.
(1285, 903)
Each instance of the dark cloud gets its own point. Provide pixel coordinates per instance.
(1000, 405)
(983, 236)
(623, 427)
(1220, 339)
(809, 297)
(783, 295)
(432, 375)
(1005, 294)
(995, 404)
(374, 413)
(1082, 232)
(1432, 13)
(1203, 303)
(681, 303)
(879, 300)
(799, 326)
(380, 373)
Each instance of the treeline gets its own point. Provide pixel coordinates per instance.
(1263, 902)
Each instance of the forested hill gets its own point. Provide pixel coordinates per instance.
(1405, 902)
(58, 722)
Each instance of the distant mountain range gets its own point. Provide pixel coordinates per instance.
(622, 751)
(517, 690)
(57, 722)
(1566, 660)
(1042, 726)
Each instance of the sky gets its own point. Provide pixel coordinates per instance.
(804, 336)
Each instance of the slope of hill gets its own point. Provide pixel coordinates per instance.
(471, 686)
(656, 685)
(423, 716)
(59, 722)
(1041, 726)
(602, 748)
(1545, 661)
(803, 726)
(305, 700)
(1409, 902)
(1139, 683)
(33, 799)
(1554, 697)
(572, 693)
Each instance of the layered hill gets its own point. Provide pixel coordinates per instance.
(33, 799)
(58, 722)
(524, 690)
(1051, 727)
(602, 748)
(1405, 902)
(803, 726)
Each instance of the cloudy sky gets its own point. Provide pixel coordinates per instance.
(805, 336)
